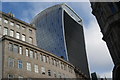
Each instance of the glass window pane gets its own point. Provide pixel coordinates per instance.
(28, 66)
(18, 26)
(30, 40)
(11, 33)
(36, 68)
(11, 23)
(43, 70)
(10, 47)
(31, 54)
(6, 21)
(20, 50)
(5, 32)
(27, 52)
(15, 48)
(10, 62)
(23, 37)
(20, 64)
(0, 19)
(18, 35)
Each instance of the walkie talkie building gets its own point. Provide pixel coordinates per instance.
(60, 31)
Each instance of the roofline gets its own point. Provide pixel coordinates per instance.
(18, 20)
(6, 37)
(63, 4)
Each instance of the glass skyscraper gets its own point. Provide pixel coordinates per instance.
(60, 31)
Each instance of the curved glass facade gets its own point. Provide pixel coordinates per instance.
(60, 31)
(50, 32)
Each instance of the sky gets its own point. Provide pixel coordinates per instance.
(98, 55)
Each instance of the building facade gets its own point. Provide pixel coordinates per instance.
(108, 17)
(21, 58)
(60, 31)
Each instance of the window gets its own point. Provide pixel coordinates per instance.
(6, 21)
(35, 55)
(41, 57)
(11, 23)
(36, 68)
(15, 48)
(23, 28)
(43, 70)
(49, 72)
(23, 37)
(18, 35)
(5, 32)
(10, 62)
(10, 47)
(30, 31)
(44, 58)
(27, 52)
(10, 76)
(47, 59)
(55, 74)
(30, 40)
(28, 66)
(0, 19)
(31, 54)
(20, 78)
(20, 64)
(18, 26)
(20, 50)
(59, 75)
(11, 33)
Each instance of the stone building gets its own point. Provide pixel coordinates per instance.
(108, 17)
(21, 58)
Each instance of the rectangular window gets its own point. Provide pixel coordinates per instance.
(28, 66)
(36, 68)
(31, 54)
(35, 55)
(49, 72)
(0, 19)
(30, 31)
(11, 23)
(18, 35)
(27, 52)
(18, 26)
(43, 70)
(23, 28)
(41, 57)
(20, 78)
(20, 64)
(30, 40)
(10, 76)
(10, 62)
(55, 74)
(20, 50)
(5, 32)
(44, 58)
(15, 48)
(10, 47)
(23, 37)
(6, 21)
(11, 33)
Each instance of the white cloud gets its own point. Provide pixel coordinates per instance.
(98, 54)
